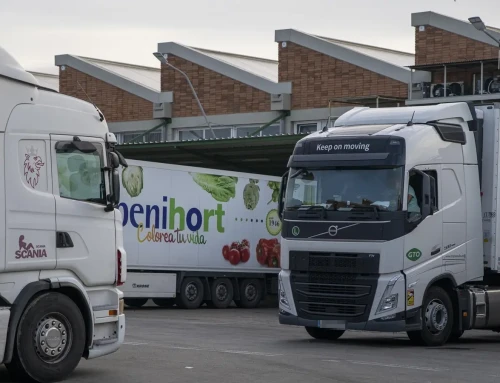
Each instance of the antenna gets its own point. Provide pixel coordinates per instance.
(101, 116)
(410, 123)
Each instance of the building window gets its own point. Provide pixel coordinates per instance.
(227, 132)
(130, 137)
(307, 128)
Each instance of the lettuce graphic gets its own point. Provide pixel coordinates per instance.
(275, 187)
(132, 180)
(251, 194)
(222, 188)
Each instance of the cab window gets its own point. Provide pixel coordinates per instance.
(80, 172)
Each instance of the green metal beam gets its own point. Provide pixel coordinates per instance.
(280, 117)
(165, 122)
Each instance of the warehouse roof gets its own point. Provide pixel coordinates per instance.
(260, 66)
(139, 80)
(392, 56)
(388, 63)
(459, 27)
(47, 80)
(258, 75)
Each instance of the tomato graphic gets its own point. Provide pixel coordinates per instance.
(245, 254)
(235, 245)
(225, 252)
(245, 242)
(234, 256)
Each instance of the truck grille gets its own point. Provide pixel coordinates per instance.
(333, 295)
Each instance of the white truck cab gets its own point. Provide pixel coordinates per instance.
(390, 224)
(63, 254)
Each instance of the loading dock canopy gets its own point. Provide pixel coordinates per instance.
(260, 155)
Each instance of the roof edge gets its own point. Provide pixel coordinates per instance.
(113, 79)
(449, 24)
(336, 51)
(228, 70)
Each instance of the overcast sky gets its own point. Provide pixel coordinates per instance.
(129, 30)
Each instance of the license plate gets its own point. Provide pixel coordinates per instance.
(333, 324)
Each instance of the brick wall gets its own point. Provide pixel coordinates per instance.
(218, 94)
(435, 46)
(316, 78)
(116, 104)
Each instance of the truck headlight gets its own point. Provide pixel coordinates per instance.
(388, 301)
(282, 294)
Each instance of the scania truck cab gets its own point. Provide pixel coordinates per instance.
(389, 224)
(62, 258)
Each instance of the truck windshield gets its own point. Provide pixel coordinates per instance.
(345, 189)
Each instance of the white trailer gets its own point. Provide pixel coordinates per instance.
(197, 235)
(399, 228)
(63, 255)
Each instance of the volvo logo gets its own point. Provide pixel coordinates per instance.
(295, 231)
(333, 230)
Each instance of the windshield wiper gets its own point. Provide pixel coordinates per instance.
(312, 208)
(372, 208)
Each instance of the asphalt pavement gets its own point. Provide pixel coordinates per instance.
(238, 345)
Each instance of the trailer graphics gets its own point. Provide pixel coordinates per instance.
(193, 215)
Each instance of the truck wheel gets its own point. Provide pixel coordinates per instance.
(222, 293)
(191, 295)
(437, 319)
(164, 302)
(250, 293)
(455, 335)
(135, 302)
(50, 340)
(324, 333)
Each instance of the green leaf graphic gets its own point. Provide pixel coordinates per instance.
(222, 188)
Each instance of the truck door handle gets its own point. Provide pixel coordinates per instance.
(63, 240)
(436, 251)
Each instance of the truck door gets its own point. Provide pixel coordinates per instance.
(425, 241)
(29, 203)
(86, 232)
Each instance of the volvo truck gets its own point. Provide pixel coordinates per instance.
(62, 257)
(196, 235)
(390, 224)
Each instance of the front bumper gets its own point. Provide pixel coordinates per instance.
(397, 324)
(106, 348)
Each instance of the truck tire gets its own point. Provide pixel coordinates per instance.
(135, 302)
(437, 319)
(164, 302)
(455, 335)
(50, 340)
(250, 293)
(191, 294)
(324, 333)
(222, 293)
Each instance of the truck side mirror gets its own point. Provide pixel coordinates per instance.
(426, 208)
(114, 160)
(281, 201)
(114, 197)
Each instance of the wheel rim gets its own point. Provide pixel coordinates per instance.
(53, 338)
(221, 292)
(436, 316)
(191, 292)
(250, 292)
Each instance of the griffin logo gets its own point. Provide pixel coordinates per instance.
(32, 165)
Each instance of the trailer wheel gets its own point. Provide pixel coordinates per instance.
(164, 302)
(191, 295)
(222, 293)
(250, 293)
(324, 333)
(135, 302)
(437, 319)
(50, 340)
